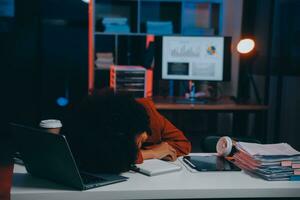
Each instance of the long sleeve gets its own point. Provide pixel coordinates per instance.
(174, 137)
(164, 131)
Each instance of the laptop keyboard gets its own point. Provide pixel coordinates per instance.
(89, 179)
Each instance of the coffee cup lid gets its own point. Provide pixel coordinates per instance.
(224, 146)
(51, 123)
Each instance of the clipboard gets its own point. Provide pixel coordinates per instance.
(209, 163)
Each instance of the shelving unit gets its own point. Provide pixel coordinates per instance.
(182, 17)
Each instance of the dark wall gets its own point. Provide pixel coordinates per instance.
(26, 62)
(257, 24)
(50, 57)
(285, 73)
(64, 47)
(275, 26)
(7, 44)
(44, 55)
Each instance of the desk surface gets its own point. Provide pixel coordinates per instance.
(176, 185)
(224, 104)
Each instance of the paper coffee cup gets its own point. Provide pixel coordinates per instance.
(224, 146)
(51, 125)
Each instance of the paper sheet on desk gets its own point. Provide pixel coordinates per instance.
(280, 149)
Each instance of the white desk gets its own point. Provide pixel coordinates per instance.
(176, 185)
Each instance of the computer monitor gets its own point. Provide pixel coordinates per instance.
(206, 58)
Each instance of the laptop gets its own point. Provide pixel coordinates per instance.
(49, 156)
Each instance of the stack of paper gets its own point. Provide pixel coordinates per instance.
(272, 162)
(104, 60)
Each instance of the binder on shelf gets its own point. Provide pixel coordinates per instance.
(115, 25)
(159, 27)
(114, 20)
(132, 79)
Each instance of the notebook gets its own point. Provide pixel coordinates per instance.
(154, 167)
(49, 156)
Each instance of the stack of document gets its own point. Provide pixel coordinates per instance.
(159, 27)
(273, 162)
(115, 25)
(104, 60)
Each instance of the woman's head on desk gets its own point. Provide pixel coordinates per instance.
(106, 130)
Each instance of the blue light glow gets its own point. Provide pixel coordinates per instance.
(62, 101)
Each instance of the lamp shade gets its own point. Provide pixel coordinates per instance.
(245, 46)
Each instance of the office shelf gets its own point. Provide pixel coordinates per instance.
(116, 33)
(139, 18)
(200, 14)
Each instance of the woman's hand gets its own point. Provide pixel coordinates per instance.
(161, 151)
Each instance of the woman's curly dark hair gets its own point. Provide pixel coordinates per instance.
(102, 131)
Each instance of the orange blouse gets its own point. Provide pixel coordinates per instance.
(162, 130)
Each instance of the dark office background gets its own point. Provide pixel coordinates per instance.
(44, 51)
(275, 25)
(44, 54)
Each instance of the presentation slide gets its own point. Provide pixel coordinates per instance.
(192, 58)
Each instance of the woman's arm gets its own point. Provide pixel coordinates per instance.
(164, 131)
